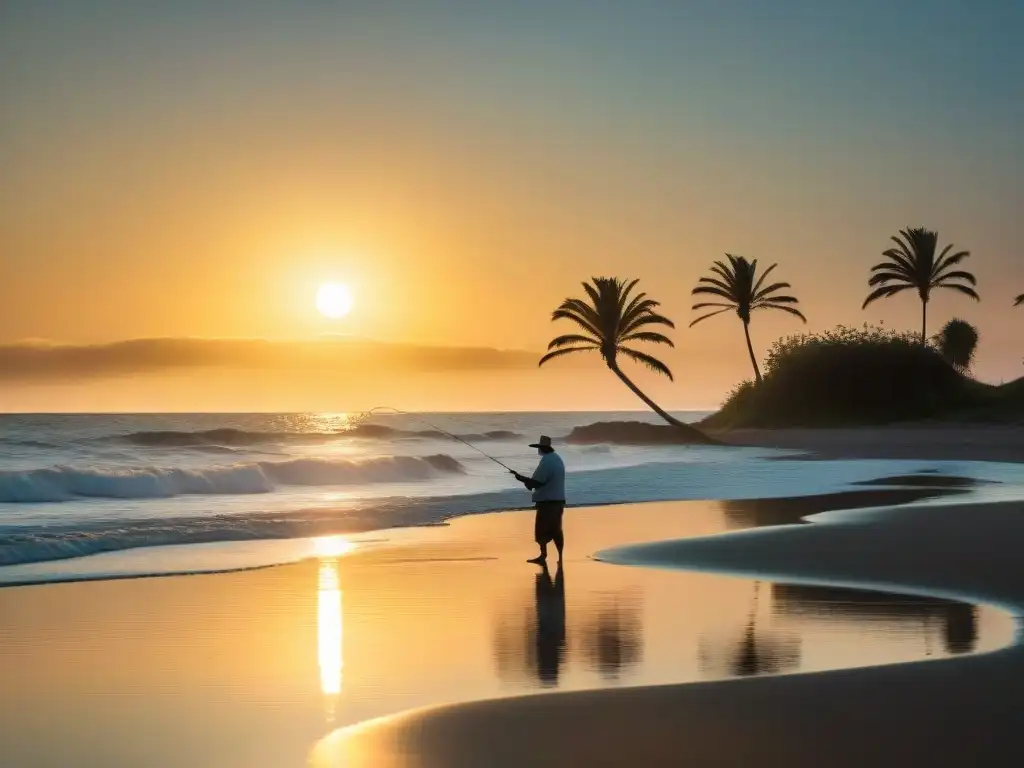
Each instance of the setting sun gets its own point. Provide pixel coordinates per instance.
(334, 300)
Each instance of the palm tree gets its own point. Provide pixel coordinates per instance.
(1019, 300)
(913, 264)
(736, 284)
(612, 318)
(956, 343)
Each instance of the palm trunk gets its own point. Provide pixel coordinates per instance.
(750, 349)
(696, 434)
(924, 321)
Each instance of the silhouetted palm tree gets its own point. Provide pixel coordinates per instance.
(913, 264)
(743, 293)
(611, 319)
(956, 342)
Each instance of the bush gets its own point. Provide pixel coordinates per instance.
(846, 376)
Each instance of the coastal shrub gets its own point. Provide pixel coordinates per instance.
(846, 376)
(957, 342)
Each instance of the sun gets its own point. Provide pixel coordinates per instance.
(334, 300)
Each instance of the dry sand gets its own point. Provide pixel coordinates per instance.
(967, 711)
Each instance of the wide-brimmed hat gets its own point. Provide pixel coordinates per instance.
(544, 442)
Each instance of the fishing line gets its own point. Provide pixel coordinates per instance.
(363, 416)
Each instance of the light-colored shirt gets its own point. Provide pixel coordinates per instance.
(551, 472)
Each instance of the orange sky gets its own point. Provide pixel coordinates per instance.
(200, 177)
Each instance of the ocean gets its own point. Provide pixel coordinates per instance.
(86, 496)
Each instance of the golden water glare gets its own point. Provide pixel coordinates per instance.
(330, 619)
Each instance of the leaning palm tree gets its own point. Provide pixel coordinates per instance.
(736, 284)
(913, 264)
(612, 318)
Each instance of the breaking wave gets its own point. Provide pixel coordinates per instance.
(241, 437)
(62, 483)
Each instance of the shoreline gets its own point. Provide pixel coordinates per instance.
(757, 512)
(965, 708)
(457, 589)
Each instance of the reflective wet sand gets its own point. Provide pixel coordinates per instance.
(255, 668)
(963, 711)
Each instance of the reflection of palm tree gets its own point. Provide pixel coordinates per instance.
(612, 320)
(756, 653)
(743, 291)
(959, 620)
(613, 640)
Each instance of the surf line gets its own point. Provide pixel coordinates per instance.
(363, 416)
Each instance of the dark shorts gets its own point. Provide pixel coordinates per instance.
(548, 522)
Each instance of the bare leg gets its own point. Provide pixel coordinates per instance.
(559, 540)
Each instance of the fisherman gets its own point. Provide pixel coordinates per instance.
(548, 486)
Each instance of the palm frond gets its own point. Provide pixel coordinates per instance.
(644, 307)
(727, 274)
(790, 310)
(1019, 300)
(760, 281)
(565, 351)
(774, 300)
(635, 302)
(623, 290)
(719, 284)
(945, 262)
(646, 360)
(898, 260)
(652, 336)
(891, 277)
(707, 289)
(704, 304)
(572, 339)
(956, 275)
(962, 289)
(584, 323)
(769, 289)
(710, 314)
(593, 292)
(649, 318)
(885, 292)
(582, 309)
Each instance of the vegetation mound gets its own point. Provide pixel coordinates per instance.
(853, 376)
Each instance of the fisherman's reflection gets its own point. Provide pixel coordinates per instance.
(549, 603)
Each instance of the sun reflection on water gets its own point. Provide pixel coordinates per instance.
(330, 619)
(331, 546)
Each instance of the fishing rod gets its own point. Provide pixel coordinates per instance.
(416, 416)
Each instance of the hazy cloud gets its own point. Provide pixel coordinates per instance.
(43, 361)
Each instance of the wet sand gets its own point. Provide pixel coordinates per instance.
(258, 668)
(964, 711)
